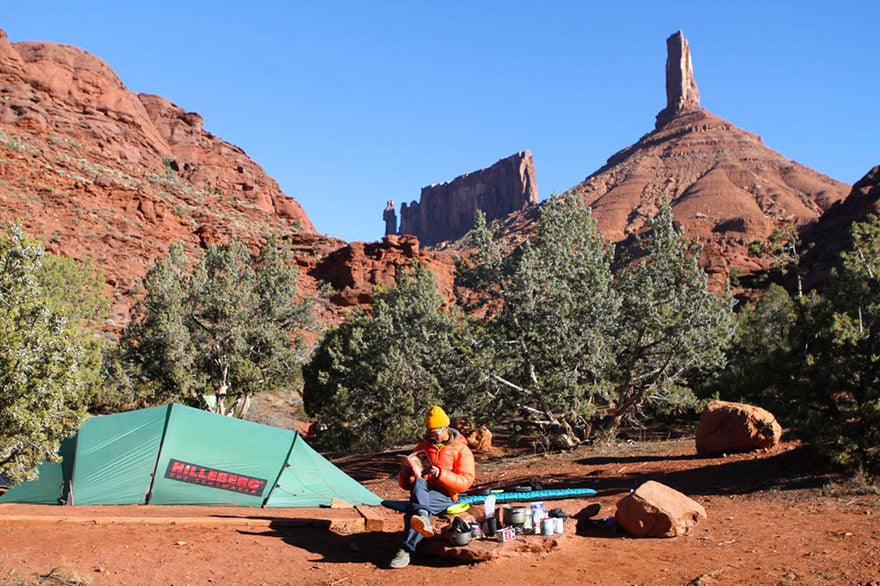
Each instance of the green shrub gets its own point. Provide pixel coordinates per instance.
(815, 360)
(370, 379)
(44, 374)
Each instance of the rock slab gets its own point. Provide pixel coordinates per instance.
(736, 427)
(484, 550)
(656, 510)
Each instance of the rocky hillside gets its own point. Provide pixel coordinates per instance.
(724, 184)
(831, 234)
(94, 169)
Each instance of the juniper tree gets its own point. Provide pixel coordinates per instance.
(73, 289)
(669, 325)
(814, 360)
(42, 373)
(578, 348)
(370, 378)
(552, 305)
(840, 394)
(221, 333)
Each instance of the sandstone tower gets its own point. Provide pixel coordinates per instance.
(682, 94)
(447, 211)
(390, 218)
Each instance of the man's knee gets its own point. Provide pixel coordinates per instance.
(419, 487)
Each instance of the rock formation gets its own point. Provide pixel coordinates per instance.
(829, 236)
(682, 94)
(655, 510)
(735, 427)
(354, 269)
(389, 216)
(725, 186)
(447, 211)
(94, 169)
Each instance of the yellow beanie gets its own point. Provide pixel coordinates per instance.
(436, 417)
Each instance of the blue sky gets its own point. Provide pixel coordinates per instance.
(349, 104)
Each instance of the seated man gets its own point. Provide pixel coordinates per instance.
(452, 472)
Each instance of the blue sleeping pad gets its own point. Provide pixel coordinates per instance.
(532, 495)
(504, 497)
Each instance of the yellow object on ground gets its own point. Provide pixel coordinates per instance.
(457, 508)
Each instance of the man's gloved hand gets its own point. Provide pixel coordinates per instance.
(435, 472)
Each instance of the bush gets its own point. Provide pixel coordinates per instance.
(217, 335)
(815, 360)
(370, 380)
(44, 375)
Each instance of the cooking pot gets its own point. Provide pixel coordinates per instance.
(459, 539)
(515, 515)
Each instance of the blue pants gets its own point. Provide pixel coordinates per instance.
(422, 498)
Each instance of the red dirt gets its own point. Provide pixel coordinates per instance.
(769, 522)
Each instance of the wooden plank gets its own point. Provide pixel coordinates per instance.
(349, 524)
(373, 520)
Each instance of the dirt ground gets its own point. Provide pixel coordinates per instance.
(771, 520)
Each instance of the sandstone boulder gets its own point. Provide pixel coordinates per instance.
(479, 438)
(655, 510)
(736, 427)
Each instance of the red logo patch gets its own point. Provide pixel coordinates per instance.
(214, 478)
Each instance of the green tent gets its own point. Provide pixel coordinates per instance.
(177, 455)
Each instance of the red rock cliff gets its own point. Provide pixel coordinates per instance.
(93, 169)
(446, 211)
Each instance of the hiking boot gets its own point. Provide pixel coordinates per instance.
(421, 523)
(400, 560)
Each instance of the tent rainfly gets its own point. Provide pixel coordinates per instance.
(177, 455)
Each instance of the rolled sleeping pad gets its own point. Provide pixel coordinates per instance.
(533, 495)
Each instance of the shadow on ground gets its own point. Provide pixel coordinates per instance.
(787, 470)
(375, 547)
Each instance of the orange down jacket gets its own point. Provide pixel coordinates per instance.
(455, 461)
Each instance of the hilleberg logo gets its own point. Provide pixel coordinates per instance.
(213, 478)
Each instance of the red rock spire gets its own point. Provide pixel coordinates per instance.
(682, 94)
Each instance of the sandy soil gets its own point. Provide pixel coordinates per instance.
(771, 520)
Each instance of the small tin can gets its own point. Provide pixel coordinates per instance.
(559, 526)
(548, 526)
(476, 531)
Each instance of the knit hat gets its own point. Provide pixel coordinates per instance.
(435, 418)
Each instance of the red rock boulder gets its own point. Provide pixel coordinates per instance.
(655, 510)
(736, 427)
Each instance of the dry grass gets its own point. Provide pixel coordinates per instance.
(857, 484)
(61, 575)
